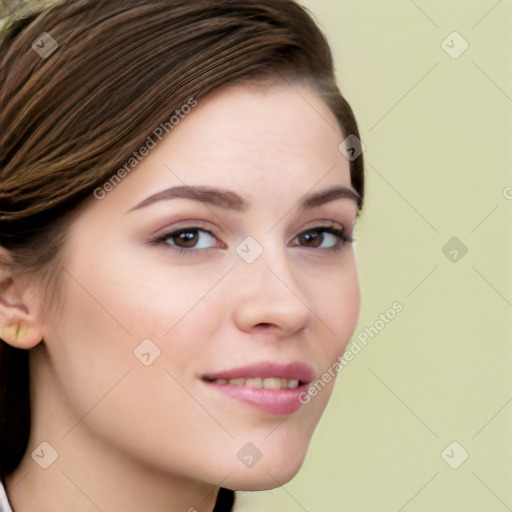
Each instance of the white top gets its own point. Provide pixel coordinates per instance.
(4, 504)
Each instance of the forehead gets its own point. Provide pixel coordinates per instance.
(274, 143)
(281, 131)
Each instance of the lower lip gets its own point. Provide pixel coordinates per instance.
(269, 401)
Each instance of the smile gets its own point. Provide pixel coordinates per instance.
(271, 388)
(261, 383)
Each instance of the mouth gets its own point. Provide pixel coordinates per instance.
(271, 388)
(258, 382)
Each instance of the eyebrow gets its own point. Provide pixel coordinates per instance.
(331, 194)
(232, 201)
(209, 195)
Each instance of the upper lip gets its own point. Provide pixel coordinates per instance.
(295, 370)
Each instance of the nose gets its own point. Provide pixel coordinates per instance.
(269, 298)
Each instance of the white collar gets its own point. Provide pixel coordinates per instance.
(4, 504)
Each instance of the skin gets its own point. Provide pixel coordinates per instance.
(133, 437)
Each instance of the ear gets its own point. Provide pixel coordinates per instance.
(19, 307)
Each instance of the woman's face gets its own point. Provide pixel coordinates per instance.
(216, 267)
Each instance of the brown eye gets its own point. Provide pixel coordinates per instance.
(322, 238)
(311, 238)
(189, 238)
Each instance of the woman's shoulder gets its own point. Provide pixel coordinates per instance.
(4, 504)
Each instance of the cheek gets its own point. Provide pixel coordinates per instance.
(347, 307)
(89, 344)
(110, 308)
(98, 377)
(338, 302)
(155, 294)
(336, 306)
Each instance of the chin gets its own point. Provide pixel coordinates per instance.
(264, 476)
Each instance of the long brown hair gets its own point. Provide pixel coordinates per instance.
(72, 117)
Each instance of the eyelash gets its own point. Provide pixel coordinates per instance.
(340, 233)
(162, 239)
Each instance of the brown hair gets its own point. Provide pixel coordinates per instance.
(121, 68)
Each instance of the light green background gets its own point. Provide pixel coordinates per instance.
(438, 152)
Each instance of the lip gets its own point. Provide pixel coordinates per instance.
(268, 401)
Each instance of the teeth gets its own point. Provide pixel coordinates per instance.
(255, 382)
(293, 383)
(272, 383)
(261, 383)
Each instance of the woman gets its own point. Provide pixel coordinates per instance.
(179, 185)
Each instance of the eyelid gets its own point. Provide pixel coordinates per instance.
(324, 224)
(184, 225)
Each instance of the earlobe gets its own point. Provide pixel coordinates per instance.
(19, 323)
(20, 336)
